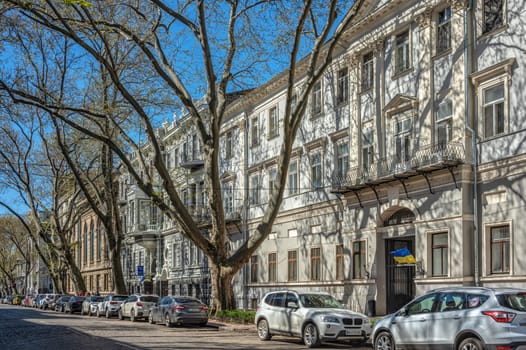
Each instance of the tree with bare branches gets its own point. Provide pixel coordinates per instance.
(196, 50)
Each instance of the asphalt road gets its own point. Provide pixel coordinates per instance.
(32, 329)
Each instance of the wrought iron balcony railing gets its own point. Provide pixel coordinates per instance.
(424, 159)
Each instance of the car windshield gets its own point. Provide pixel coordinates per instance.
(515, 301)
(96, 299)
(319, 300)
(119, 297)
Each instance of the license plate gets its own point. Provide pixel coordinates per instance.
(193, 310)
(352, 332)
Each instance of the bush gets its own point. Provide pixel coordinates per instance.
(236, 316)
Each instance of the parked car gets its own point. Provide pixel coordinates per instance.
(314, 317)
(137, 306)
(60, 305)
(178, 310)
(36, 300)
(17, 300)
(90, 305)
(110, 306)
(459, 318)
(27, 300)
(74, 304)
(49, 301)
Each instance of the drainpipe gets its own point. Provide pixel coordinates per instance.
(473, 132)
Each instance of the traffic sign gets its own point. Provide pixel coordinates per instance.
(140, 270)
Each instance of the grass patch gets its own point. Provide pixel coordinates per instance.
(235, 316)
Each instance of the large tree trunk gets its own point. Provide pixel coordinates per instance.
(222, 289)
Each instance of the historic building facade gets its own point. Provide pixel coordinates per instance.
(423, 96)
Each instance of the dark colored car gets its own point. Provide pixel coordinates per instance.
(179, 310)
(90, 305)
(60, 305)
(74, 304)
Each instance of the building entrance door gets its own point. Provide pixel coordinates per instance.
(400, 278)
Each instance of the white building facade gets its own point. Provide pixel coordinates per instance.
(422, 96)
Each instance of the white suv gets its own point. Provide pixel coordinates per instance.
(314, 317)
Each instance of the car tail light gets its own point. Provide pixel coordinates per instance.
(500, 316)
(138, 303)
(504, 347)
(204, 308)
(113, 302)
(178, 307)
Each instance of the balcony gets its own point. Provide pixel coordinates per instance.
(422, 161)
(192, 162)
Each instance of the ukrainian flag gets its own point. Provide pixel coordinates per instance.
(403, 256)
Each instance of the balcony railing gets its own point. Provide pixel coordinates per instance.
(427, 158)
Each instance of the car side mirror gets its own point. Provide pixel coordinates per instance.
(402, 312)
(292, 305)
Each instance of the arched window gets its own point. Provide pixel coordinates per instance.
(402, 216)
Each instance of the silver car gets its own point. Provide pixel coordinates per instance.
(137, 306)
(111, 305)
(314, 317)
(460, 318)
(179, 310)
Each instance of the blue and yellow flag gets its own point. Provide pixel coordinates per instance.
(403, 256)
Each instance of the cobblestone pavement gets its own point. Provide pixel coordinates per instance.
(32, 329)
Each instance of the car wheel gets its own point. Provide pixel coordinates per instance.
(471, 344)
(167, 321)
(310, 335)
(263, 331)
(119, 315)
(107, 313)
(150, 318)
(132, 316)
(384, 341)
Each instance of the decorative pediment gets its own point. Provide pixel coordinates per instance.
(400, 103)
(228, 176)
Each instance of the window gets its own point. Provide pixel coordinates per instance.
(316, 170)
(293, 103)
(444, 30)
(195, 147)
(99, 240)
(316, 99)
(403, 140)
(358, 260)
(228, 198)
(229, 144)
(292, 270)
(271, 180)
(254, 132)
(340, 273)
(273, 122)
(315, 264)
(493, 15)
(500, 249)
(367, 150)
(342, 159)
(440, 254)
(444, 122)
(185, 152)
(493, 109)
(254, 190)
(254, 268)
(402, 53)
(92, 242)
(342, 95)
(293, 177)
(422, 305)
(367, 71)
(272, 268)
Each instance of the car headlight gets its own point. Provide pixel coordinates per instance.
(330, 319)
